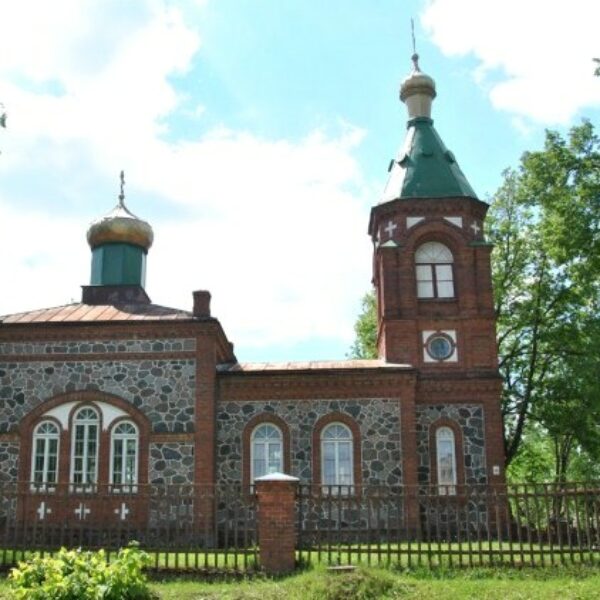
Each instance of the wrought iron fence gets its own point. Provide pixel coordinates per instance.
(535, 524)
(180, 526)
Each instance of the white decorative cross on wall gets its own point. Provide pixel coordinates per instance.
(475, 227)
(122, 512)
(43, 510)
(389, 228)
(82, 511)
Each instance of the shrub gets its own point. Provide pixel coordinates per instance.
(77, 575)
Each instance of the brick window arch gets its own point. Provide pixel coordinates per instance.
(434, 267)
(447, 455)
(253, 426)
(352, 443)
(124, 453)
(45, 454)
(84, 446)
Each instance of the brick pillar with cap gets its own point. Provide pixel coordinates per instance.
(276, 494)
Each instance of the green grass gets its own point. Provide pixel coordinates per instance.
(564, 583)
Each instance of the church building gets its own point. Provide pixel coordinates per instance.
(116, 393)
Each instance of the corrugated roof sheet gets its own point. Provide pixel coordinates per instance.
(85, 313)
(315, 365)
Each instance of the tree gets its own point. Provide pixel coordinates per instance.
(544, 222)
(597, 71)
(365, 328)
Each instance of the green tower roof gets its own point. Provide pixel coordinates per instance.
(424, 168)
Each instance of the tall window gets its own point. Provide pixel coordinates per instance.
(44, 466)
(446, 460)
(124, 455)
(336, 455)
(266, 450)
(84, 459)
(434, 271)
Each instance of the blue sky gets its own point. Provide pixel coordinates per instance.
(255, 137)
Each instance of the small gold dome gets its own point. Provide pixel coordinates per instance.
(417, 91)
(120, 225)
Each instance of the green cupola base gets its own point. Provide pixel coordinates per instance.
(118, 264)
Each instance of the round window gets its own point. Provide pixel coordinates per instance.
(440, 346)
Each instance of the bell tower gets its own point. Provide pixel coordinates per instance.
(431, 263)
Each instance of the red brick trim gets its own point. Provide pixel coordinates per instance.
(337, 417)
(459, 453)
(100, 357)
(252, 424)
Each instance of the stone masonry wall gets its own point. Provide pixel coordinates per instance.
(171, 463)
(469, 417)
(378, 419)
(163, 389)
(9, 461)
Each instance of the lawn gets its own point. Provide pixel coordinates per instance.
(562, 583)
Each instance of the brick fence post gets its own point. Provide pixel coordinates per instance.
(276, 494)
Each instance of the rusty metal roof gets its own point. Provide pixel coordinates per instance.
(315, 365)
(86, 313)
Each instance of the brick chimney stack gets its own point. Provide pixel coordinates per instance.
(201, 303)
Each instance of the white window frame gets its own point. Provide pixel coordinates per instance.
(86, 423)
(45, 485)
(443, 435)
(432, 257)
(266, 445)
(337, 442)
(129, 486)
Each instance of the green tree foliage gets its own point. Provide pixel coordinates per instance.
(545, 224)
(365, 328)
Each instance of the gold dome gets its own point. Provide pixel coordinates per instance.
(120, 225)
(417, 91)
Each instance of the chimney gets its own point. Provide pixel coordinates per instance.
(201, 304)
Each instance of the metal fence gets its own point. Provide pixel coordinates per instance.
(530, 524)
(180, 526)
(214, 528)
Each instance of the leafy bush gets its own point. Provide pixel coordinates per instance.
(77, 575)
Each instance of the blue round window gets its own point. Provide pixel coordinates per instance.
(440, 346)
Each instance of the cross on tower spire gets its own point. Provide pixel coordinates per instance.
(415, 56)
(122, 194)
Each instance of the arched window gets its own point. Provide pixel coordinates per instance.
(124, 455)
(266, 450)
(44, 464)
(336, 455)
(435, 279)
(84, 453)
(446, 460)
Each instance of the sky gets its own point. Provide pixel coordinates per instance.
(255, 136)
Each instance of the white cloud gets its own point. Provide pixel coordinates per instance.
(535, 57)
(274, 229)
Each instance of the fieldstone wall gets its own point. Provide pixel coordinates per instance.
(469, 417)
(9, 462)
(377, 418)
(98, 346)
(163, 389)
(171, 463)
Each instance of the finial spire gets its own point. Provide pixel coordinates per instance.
(415, 56)
(122, 194)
